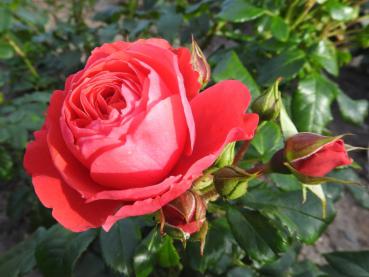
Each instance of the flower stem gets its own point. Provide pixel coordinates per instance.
(241, 152)
(23, 55)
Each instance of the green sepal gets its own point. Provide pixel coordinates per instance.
(306, 144)
(227, 156)
(231, 182)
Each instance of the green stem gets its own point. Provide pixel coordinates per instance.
(241, 152)
(291, 10)
(308, 7)
(23, 56)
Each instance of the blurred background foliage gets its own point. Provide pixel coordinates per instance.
(306, 42)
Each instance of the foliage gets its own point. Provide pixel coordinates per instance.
(305, 42)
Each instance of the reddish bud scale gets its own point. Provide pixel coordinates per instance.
(200, 64)
(187, 213)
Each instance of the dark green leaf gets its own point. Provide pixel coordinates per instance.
(255, 235)
(6, 165)
(360, 194)
(279, 28)
(306, 269)
(168, 255)
(219, 246)
(5, 19)
(281, 266)
(6, 51)
(268, 140)
(20, 259)
(240, 272)
(144, 259)
(119, 244)
(239, 11)
(311, 103)
(59, 250)
(287, 182)
(169, 23)
(18, 202)
(350, 264)
(302, 219)
(230, 67)
(354, 111)
(285, 65)
(325, 55)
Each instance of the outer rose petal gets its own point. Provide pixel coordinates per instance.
(324, 161)
(71, 170)
(219, 119)
(69, 209)
(149, 205)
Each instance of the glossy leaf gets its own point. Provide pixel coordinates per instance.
(119, 244)
(239, 11)
(230, 67)
(144, 259)
(325, 55)
(311, 103)
(279, 28)
(354, 111)
(268, 140)
(59, 250)
(350, 264)
(285, 65)
(256, 235)
(343, 12)
(167, 254)
(303, 220)
(219, 246)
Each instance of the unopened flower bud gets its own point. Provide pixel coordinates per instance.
(268, 105)
(311, 156)
(227, 156)
(186, 214)
(232, 182)
(199, 63)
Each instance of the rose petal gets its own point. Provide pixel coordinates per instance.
(72, 171)
(149, 205)
(219, 119)
(151, 149)
(68, 207)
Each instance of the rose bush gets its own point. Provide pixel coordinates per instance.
(130, 133)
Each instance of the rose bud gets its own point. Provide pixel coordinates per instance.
(315, 155)
(268, 105)
(187, 213)
(232, 182)
(200, 63)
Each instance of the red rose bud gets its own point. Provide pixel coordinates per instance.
(199, 63)
(187, 213)
(268, 105)
(315, 155)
